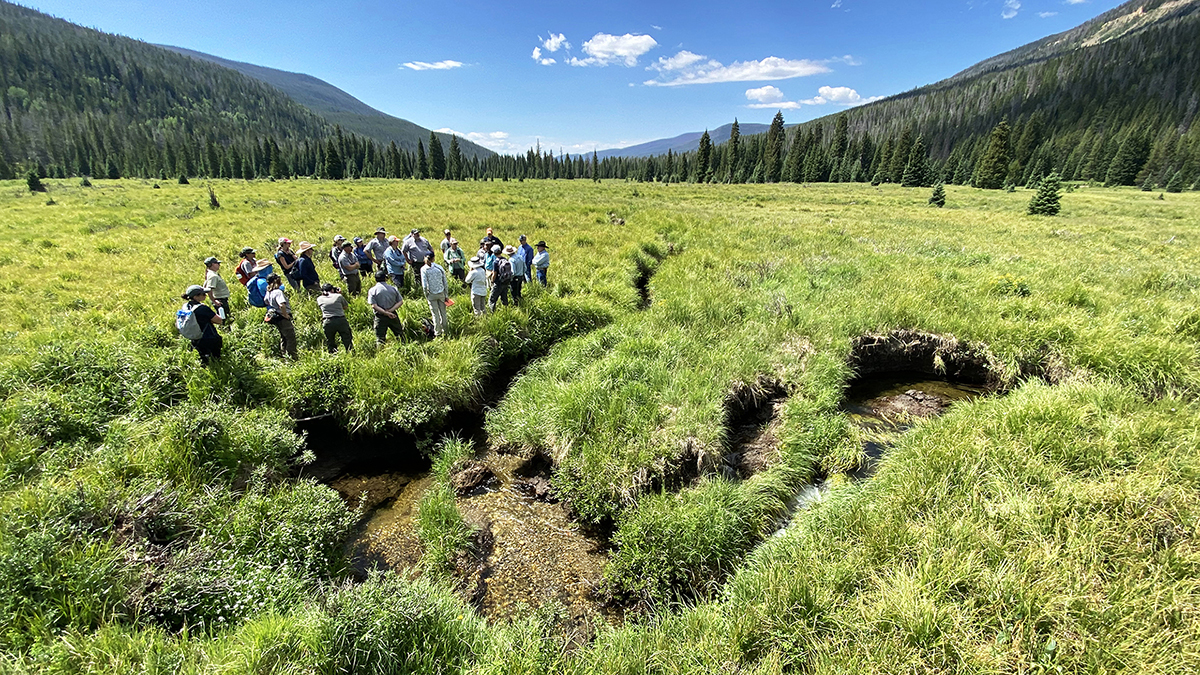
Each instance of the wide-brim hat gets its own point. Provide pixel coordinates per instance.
(474, 262)
(453, 241)
(509, 250)
(380, 230)
(304, 246)
(415, 231)
(542, 244)
(210, 260)
(261, 264)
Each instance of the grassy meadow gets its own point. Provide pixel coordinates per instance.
(148, 522)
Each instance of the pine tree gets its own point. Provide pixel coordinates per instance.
(1045, 201)
(917, 172)
(735, 137)
(111, 170)
(437, 159)
(6, 172)
(1176, 182)
(938, 198)
(422, 165)
(1148, 184)
(992, 169)
(333, 169)
(454, 161)
(595, 167)
(841, 137)
(773, 150)
(34, 183)
(704, 159)
(793, 169)
(1128, 161)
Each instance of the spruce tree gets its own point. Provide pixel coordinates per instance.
(793, 168)
(454, 161)
(437, 158)
(704, 159)
(992, 169)
(735, 137)
(1045, 201)
(33, 182)
(917, 172)
(773, 150)
(841, 137)
(1148, 184)
(422, 165)
(334, 168)
(1176, 182)
(1130, 158)
(595, 167)
(6, 172)
(938, 198)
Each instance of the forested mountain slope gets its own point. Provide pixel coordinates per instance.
(337, 106)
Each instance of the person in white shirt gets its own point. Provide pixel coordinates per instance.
(477, 278)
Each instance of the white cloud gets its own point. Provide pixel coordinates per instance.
(436, 65)
(767, 94)
(656, 27)
(1074, 2)
(1047, 15)
(678, 62)
(492, 140)
(1011, 7)
(695, 72)
(537, 56)
(771, 98)
(556, 42)
(604, 49)
(836, 4)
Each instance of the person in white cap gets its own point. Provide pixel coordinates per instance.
(446, 241)
(335, 253)
(516, 261)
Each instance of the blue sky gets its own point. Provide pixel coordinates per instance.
(578, 76)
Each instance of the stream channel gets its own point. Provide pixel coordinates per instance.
(529, 550)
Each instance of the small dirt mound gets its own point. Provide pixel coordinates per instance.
(940, 356)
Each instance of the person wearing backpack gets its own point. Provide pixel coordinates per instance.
(197, 322)
(501, 280)
(256, 290)
(245, 269)
(279, 314)
(516, 260)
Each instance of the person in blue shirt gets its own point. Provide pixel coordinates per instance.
(541, 262)
(306, 269)
(516, 260)
(365, 262)
(527, 253)
(393, 259)
(256, 289)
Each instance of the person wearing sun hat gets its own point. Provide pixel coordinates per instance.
(215, 286)
(541, 261)
(377, 247)
(416, 250)
(477, 279)
(245, 269)
(287, 262)
(394, 262)
(306, 269)
(204, 320)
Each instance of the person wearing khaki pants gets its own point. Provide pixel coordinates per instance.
(433, 280)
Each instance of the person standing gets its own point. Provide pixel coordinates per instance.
(215, 287)
(279, 314)
(365, 263)
(385, 299)
(527, 254)
(287, 262)
(348, 263)
(333, 318)
(393, 259)
(492, 240)
(454, 257)
(501, 280)
(516, 260)
(335, 253)
(446, 241)
(245, 268)
(541, 262)
(306, 269)
(437, 290)
(197, 322)
(377, 246)
(477, 278)
(416, 251)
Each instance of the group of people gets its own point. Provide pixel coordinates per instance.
(492, 273)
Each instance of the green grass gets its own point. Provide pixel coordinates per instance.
(147, 521)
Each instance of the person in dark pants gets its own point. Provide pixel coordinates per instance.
(306, 269)
(541, 262)
(208, 345)
(277, 305)
(385, 300)
(516, 260)
(501, 280)
(333, 318)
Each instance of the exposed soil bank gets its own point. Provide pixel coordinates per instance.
(909, 351)
(752, 414)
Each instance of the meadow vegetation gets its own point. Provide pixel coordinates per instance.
(149, 520)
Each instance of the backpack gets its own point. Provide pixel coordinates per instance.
(187, 324)
(503, 271)
(257, 290)
(241, 275)
(427, 327)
